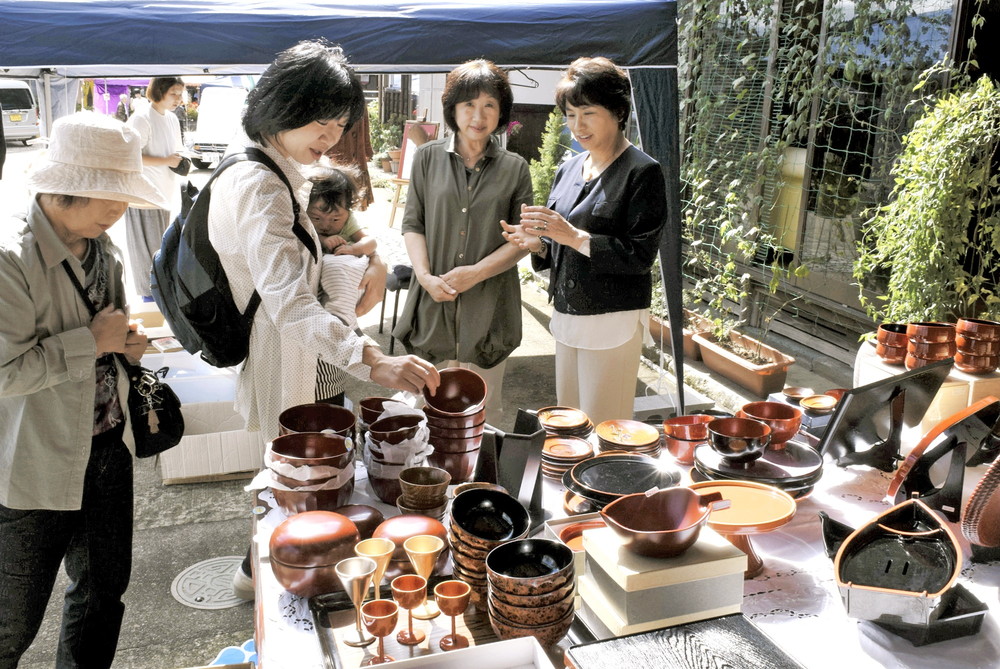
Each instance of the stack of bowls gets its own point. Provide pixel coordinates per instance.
(891, 342)
(978, 346)
(929, 342)
(370, 410)
(531, 590)
(390, 445)
(683, 434)
(559, 454)
(565, 422)
(630, 436)
(456, 418)
(481, 520)
(318, 417)
(424, 491)
(322, 474)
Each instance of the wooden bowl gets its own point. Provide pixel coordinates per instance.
(316, 418)
(692, 427)
(784, 420)
(461, 392)
(662, 524)
(530, 566)
(739, 440)
(312, 449)
(395, 429)
(305, 548)
(484, 518)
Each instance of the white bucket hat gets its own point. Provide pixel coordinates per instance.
(92, 155)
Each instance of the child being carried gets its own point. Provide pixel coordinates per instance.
(346, 245)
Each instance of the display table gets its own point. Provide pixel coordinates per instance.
(794, 601)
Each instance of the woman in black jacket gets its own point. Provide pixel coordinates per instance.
(599, 235)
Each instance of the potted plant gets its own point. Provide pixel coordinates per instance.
(930, 254)
(382, 160)
(725, 290)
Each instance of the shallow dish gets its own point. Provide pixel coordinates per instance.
(605, 478)
(795, 393)
(819, 403)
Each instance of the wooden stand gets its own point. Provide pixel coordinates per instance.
(398, 185)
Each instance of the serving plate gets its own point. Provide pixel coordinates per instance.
(605, 478)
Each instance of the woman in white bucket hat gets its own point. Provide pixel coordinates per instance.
(66, 447)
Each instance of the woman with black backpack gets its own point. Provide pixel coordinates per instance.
(300, 108)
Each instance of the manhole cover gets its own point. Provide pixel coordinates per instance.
(208, 584)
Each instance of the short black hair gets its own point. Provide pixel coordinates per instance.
(158, 87)
(599, 82)
(308, 82)
(467, 81)
(334, 185)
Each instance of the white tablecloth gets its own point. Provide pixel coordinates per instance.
(795, 600)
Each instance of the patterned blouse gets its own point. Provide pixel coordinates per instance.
(250, 225)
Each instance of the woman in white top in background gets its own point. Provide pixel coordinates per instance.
(161, 142)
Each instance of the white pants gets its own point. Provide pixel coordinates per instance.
(601, 383)
(494, 387)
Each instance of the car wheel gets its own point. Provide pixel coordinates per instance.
(200, 164)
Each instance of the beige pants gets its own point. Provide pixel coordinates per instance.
(494, 387)
(599, 383)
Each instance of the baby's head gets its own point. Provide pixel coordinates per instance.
(334, 193)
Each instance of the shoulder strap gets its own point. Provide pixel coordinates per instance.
(90, 306)
(256, 155)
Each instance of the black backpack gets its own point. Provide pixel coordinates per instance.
(190, 287)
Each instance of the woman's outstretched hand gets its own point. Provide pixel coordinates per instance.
(404, 372)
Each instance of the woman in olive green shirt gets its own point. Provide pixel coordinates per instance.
(465, 306)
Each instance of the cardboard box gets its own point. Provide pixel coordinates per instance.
(215, 445)
(631, 593)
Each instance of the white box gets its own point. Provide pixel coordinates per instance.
(633, 593)
(957, 392)
(594, 608)
(554, 527)
(215, 443)
(522, 653)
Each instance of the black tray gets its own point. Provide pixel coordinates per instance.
(607, 477)
(729, 641)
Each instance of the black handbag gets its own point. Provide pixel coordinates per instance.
(153, 406)
(155, 410)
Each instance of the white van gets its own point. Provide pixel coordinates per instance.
(20, 111)
(220, 113)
